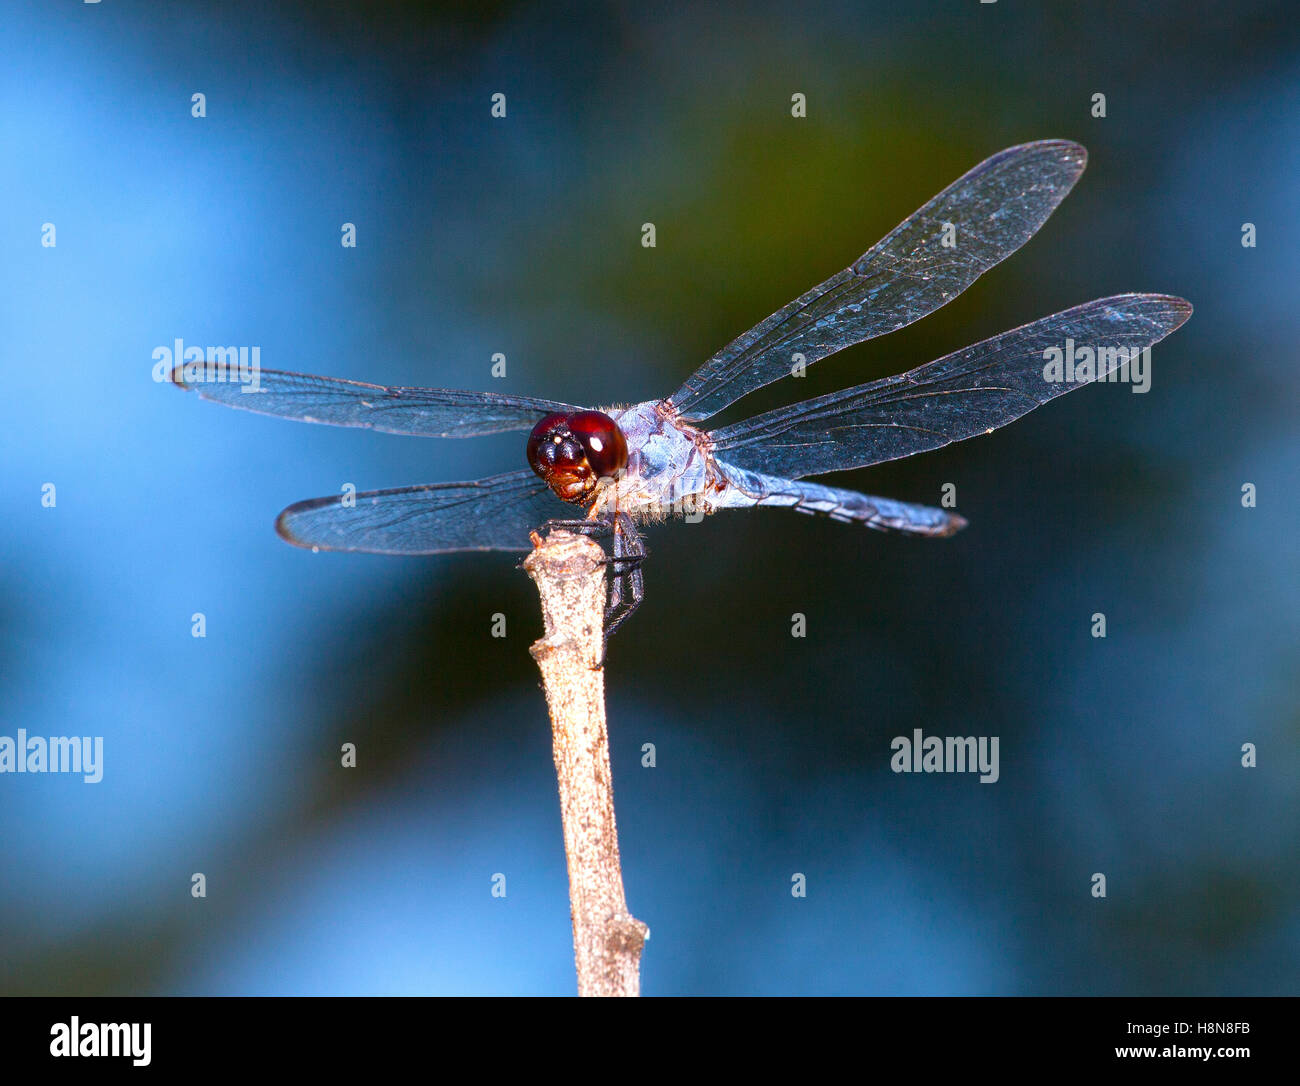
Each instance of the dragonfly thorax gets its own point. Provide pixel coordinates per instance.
(667, 469)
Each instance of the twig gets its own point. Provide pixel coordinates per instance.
(569, 572)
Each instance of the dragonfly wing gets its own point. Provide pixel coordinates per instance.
(494, 514)
(424, 412)
(976, 222)
(971, 391)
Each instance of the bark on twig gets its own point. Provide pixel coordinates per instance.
(570, 575)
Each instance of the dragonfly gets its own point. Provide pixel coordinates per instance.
(626, 466)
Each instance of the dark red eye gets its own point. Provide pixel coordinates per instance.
(600, 436)
(572, 452)
(541, 438)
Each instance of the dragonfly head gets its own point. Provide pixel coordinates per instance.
(574, 452)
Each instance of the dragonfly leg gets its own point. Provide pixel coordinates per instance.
(627, 586)
(592, 529)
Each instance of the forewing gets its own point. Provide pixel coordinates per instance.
(976, 222)
(494, 514)
(424, 412)
(971, 391)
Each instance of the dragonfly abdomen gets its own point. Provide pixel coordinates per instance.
(846, 506)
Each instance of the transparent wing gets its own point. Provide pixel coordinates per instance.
(971, 391)
(976, 222)
(424, 412)
(494, 514)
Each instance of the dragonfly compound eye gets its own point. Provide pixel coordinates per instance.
(602, 440)
(572, 452)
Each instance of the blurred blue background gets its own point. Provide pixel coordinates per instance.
(522, 236)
